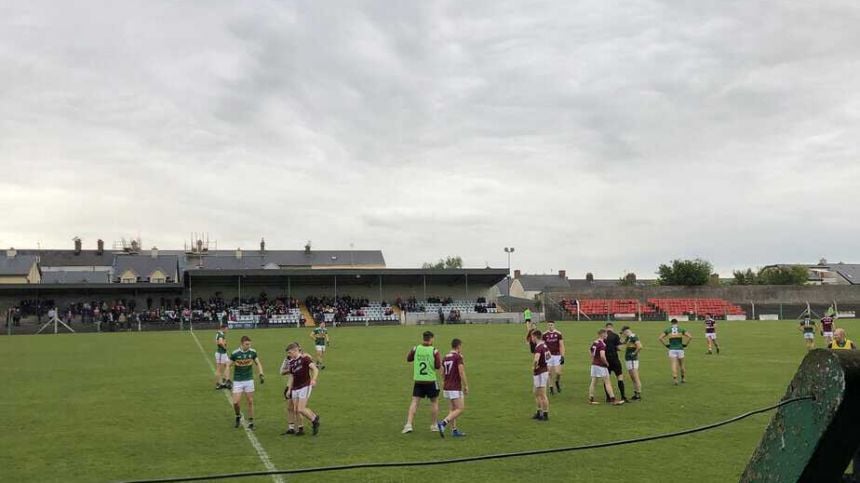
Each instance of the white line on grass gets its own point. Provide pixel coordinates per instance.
(261, 452)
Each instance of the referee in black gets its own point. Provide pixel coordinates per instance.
(613, 341)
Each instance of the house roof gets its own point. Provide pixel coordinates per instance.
(583, 284)
(68, 258)
(226, 260)
(539, 283)
(17, 265)
(849, 271)
(76, 276)
(144, 264)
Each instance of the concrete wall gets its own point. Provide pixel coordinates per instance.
(502, 318)
(733, 293)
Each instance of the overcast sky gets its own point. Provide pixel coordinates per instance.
(591, 135)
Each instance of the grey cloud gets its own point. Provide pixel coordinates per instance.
(591, 136)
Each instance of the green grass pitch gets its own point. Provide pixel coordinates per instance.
(107, 407)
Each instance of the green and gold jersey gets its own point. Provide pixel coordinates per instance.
(221, 349)
(244, 362)
(676, 337)
(320, 335)
(808, 325)
(630, 350)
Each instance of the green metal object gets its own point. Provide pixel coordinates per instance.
(814, 440)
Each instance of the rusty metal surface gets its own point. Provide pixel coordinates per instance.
(813, 440)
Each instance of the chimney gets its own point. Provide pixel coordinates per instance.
(11, 252)
(517, 274)
(100, 247)
(262, 245)
(562, 274)
(238, 254)
(308, 248)
(77, 246)
(154, 252)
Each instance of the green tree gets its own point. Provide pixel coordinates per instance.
(627, 280)
(446, 263)
(745, 277)
(783, 275)
(685, 272)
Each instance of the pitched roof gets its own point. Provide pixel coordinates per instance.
(17, 265)
(68, 258)
(143, 265)
(226, 260)
(849, 271)
(76, 276)
(538, 283)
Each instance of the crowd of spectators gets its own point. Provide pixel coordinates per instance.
(127, 313)
(412, 304)
(341, 307)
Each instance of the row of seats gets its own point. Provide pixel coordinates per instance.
(696, 306)
(463, 306)
(600, 307)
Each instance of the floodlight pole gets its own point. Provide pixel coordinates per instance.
(509, 250)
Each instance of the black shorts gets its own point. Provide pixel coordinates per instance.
(429, 390)
(615, 366)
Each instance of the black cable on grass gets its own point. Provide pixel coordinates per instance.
(468, 459)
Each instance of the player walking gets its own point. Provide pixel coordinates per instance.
(221, 358)
(425, 361)
(807, 327)
(303, 377)
(631, 357)
(711, 334)
(540, 377)
(613, 344)
(840, 342)
(292, 420)
(243, 361)
(455, 388)
(555, 343)
(827, 326)
(600, 369)
(529, 328)
(678, 340)
(321, 341)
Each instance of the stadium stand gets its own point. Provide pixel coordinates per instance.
(598, 307)
(681, 306)
(695, 306)
(350, 310)
(434, 304)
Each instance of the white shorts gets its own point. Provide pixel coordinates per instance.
(711, 335)
(221, 358)
(828, 334)
(243, 386)
(599, 371)
(632, 365)
(809, 335)
(453, 394)
(320, 348)
(303, 393)
(554, 361)
(676, 353)
(540, 380)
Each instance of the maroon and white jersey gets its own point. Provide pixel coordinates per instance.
(710, 326)
(300, 369)
(596, 347)
(552, 340)
(543, 357)
(451, 366)
(827, 324)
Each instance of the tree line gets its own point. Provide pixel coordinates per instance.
(684, 272)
